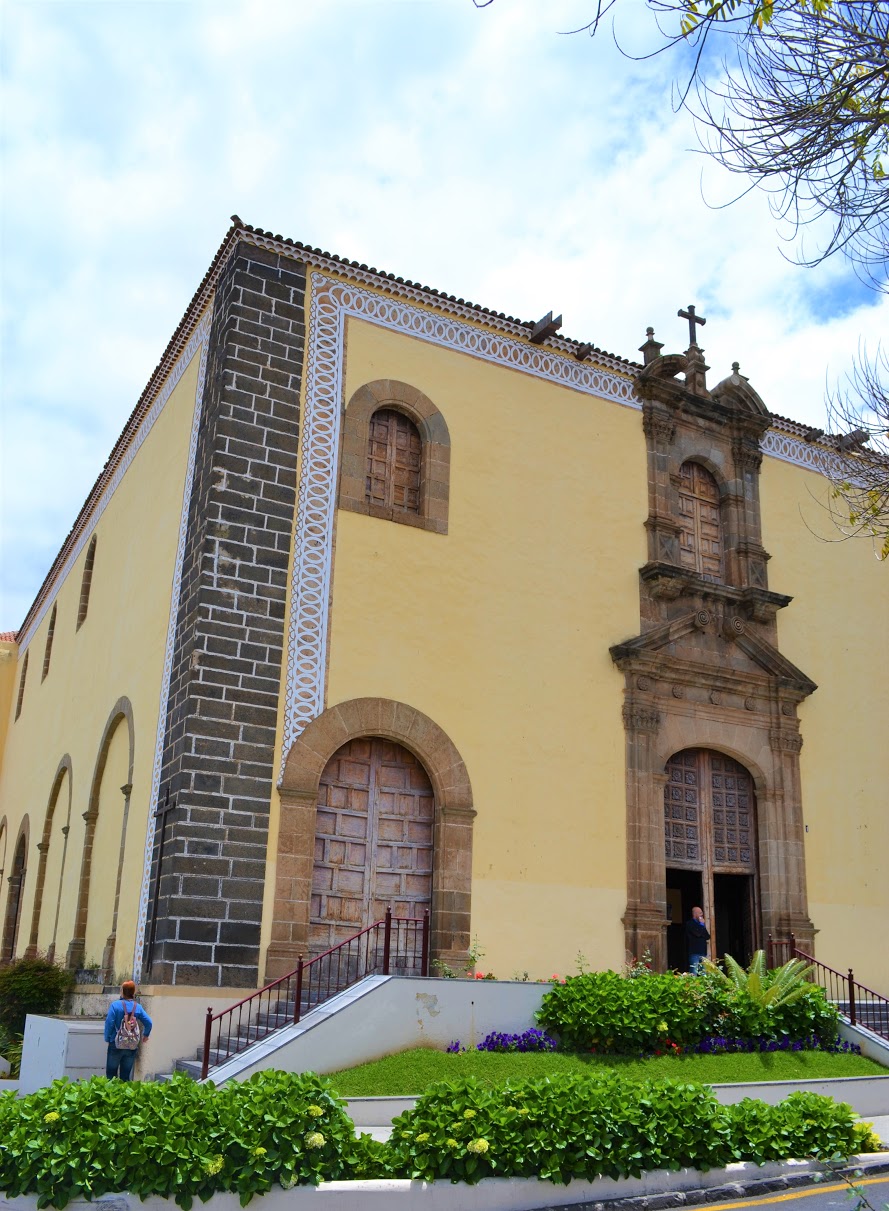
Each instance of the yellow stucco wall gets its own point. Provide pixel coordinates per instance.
(837, 631)
(499, 631)
(117, 653)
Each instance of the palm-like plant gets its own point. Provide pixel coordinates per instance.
(767, 990)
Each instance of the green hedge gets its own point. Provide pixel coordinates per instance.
(602, 1126)
(603, 1011)
(184, 1141)
(180, 1140)
(31, 986)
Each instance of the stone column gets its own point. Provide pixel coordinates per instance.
(295, 863)
(645, 920)
(785, 909)
(111, 941)
(43, 850)
(659, 425)
(77, 946)
(452, 885)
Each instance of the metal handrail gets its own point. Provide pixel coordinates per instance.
(844, 989)
(315, 980)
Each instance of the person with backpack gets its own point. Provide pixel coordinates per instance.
(126, 1025)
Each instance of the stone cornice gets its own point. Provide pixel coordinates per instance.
(647, 655)
(667, 580)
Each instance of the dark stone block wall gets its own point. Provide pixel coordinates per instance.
(205, 917)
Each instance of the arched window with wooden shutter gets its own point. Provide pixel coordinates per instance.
(22, 679)
(700, 536)
(86, 583)
(394, 458)
(50, 634)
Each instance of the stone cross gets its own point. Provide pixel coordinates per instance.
(692, 320)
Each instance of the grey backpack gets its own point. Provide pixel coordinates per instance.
(129, 1032)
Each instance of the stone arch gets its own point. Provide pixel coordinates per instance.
(435, 459)
(453, 827)
(4, 847)
(121, 712)
(711, 852)
(15, 896)
(703, 459)
(770, 753)
(680, 732)
(43, 845)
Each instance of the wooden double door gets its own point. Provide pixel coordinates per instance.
(373, 840)
(710, 851)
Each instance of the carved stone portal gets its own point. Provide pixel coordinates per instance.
(705, 671)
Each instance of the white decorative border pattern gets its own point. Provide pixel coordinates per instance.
(332, 302)
(199, 341)
(802, 453)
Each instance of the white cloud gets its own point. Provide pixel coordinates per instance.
(476, 150)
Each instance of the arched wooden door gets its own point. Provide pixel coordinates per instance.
(373, 840)
(710, 849)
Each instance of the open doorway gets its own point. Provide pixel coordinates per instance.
(684, 891)
(733, 916)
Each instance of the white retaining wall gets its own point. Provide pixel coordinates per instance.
(492, 1194)
(382, 1015)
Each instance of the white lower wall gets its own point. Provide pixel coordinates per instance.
(177, 1017)
(385, 1014)
(491, 1194)
(57, 1047)
(872, 1045)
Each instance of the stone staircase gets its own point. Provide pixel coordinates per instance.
(872, 1015)
(390, 946)
(263, 1025)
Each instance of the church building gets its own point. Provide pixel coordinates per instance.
(384, 598)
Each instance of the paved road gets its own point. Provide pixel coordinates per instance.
(833, 1196)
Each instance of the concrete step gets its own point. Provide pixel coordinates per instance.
(190, 1067)
(875, 1016)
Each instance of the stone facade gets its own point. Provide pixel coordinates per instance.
(220, 731)
(705, 671)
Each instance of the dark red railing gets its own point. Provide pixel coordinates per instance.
(392, 946)
(860, 1004)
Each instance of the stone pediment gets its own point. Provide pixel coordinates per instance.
(710, 647)
(736, 393)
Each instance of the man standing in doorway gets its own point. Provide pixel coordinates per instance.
(696, 936)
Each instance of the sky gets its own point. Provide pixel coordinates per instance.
(484, 152)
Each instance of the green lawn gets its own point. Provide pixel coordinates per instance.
(410, 1072)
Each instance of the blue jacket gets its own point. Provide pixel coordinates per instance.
(115, 1017)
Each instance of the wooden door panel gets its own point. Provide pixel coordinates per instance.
(373, 844)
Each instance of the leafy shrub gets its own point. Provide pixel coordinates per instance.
(576, 1126)
(804, 1124)
(11, 1050)
(31, 986)
(178, 1140)
(772, 1003)
(605, 1012)
(592, 1126)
